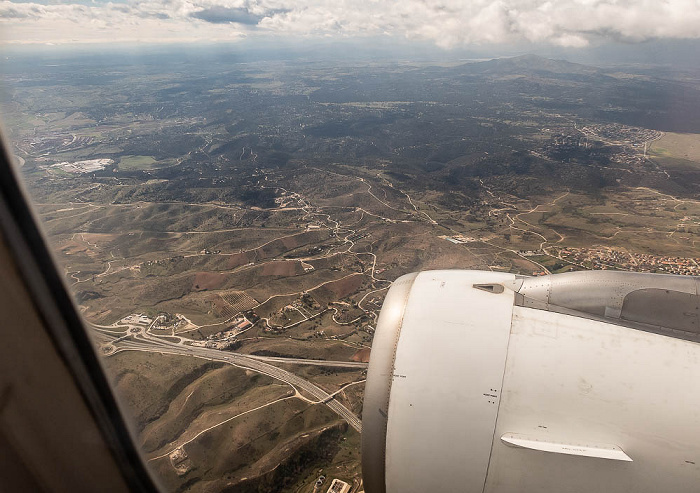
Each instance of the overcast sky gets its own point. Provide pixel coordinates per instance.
(446, 23)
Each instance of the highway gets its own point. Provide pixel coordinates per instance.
(144, 342)
(302, 361)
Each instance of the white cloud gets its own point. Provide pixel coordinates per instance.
(446, 23)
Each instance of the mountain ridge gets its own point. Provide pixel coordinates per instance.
(529, 64)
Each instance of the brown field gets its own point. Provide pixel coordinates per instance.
(292, 242)
(238, 259)
(208, 280)
(678, 146)
(338, 289)
(282, 268)
(362, 355)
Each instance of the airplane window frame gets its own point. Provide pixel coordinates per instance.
(53, 303)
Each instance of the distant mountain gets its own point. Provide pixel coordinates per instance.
(528, 65)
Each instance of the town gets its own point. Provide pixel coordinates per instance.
(610, 258)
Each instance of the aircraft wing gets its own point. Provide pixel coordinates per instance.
(492, 382)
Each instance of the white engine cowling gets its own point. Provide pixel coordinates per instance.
(491, 382)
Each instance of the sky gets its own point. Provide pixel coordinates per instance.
(446, 24)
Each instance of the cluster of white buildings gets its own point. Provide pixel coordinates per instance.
(137, 319)
(87, 166)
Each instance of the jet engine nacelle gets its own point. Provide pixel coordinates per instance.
(492, 382)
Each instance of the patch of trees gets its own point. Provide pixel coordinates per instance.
(260, 197)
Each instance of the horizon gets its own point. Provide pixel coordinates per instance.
(447, 27)
(672, 53)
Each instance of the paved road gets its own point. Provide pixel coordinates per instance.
(139, 342)
(302, 361)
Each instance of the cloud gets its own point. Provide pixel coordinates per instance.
(222, 15)
(446, 23)
(450, 23)
(10, 12)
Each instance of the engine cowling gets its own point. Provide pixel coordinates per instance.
(492, 382)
